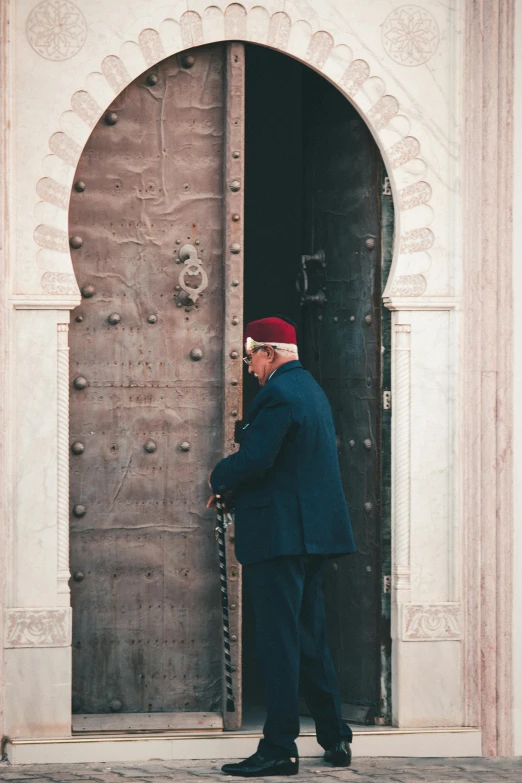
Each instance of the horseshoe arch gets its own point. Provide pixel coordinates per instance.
(317, 49)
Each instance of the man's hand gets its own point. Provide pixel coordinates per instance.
(212, 501)
(226, 501)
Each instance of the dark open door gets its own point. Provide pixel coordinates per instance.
(156, 237)
(342, 349)
(314, 183)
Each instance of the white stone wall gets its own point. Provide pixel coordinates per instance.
(412, 99)
(410, 104)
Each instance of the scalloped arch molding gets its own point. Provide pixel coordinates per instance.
(352, 76)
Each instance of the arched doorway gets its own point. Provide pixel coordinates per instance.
(316, 185)
(155, 349)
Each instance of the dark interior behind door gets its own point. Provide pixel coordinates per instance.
(314, 182)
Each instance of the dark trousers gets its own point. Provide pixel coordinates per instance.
(288, 600)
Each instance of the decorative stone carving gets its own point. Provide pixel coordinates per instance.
(51, 238)
(414, 195)
(65, 147)
(417, 240)
(191, 29)
(410, 35)
(384, 110)
(257, 26)
(354, 77)
(319, 48)
(403, 151)
(279, 31)
(56, 29)
(115, 72)
(38, 627)
(53, 192)
(236, 22)
(431, 622)
(151, 46)
(59, 283)
(86, 107)
(409, 285)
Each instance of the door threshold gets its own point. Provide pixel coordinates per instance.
(185, 732)
(98, 723)
(369, 741)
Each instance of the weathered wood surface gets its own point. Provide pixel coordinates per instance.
(147, 630)
(147, 721)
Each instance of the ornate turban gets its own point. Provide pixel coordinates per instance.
(271, 331)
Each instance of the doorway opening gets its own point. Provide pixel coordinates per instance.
(315, 186)
(156, 348)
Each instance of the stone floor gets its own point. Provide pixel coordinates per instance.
(363, 770)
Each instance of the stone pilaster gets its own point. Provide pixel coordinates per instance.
(487, 399)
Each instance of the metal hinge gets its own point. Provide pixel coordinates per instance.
(386, 584)
(386, 400)
(386, 187)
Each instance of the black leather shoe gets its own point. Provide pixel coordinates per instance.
(257, 766)
(340, 755)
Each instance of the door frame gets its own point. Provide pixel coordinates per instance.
(402, 290)
(48, 291)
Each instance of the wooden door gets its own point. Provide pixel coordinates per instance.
(342, 348)
(156, 225)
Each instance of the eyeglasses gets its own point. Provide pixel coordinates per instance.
(248, 359)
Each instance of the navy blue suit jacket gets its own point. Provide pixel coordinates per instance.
(285, 477)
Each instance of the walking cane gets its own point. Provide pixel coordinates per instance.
(220, 536)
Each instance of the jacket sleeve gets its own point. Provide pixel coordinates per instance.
(261, 443)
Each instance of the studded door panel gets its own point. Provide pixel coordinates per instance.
(342, 348)
(146, 225)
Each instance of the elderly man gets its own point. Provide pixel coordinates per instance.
(290, 516)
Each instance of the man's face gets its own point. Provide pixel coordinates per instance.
(261, 363)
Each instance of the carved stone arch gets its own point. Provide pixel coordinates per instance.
(401, 151)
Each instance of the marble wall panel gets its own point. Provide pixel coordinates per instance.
(433, 407)
(429, 682)
(38, 692)
(34, 535)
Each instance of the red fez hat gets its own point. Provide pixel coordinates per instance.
(271, 331)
